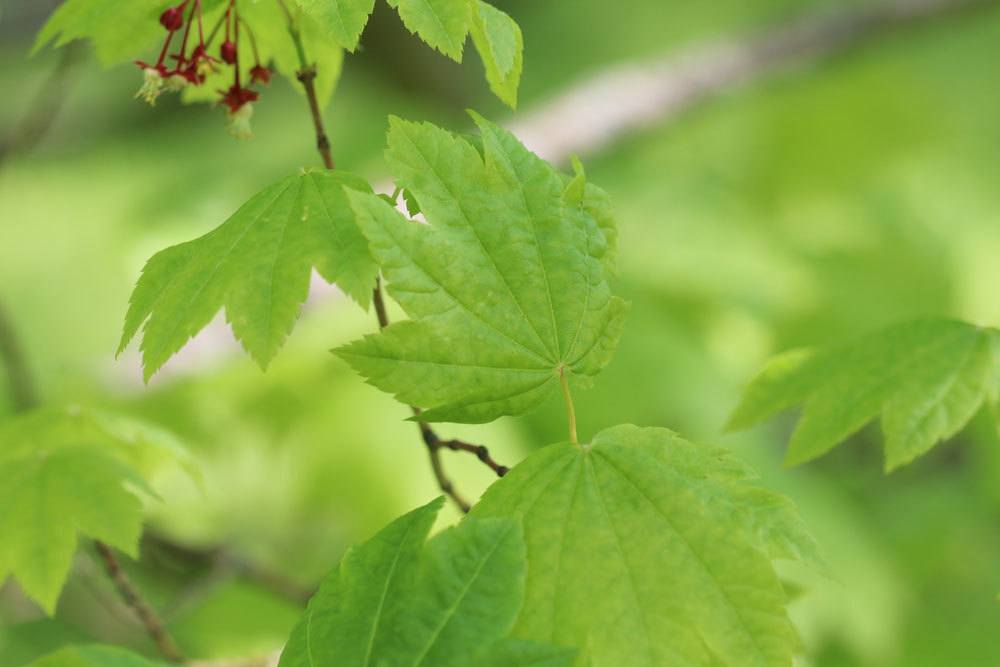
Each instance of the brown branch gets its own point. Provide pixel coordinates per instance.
(150, 621)
(307, 76)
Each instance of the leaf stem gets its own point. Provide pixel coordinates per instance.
(154, 626)
(570, 411)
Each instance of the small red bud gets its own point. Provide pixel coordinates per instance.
(260, 74)
(173, 18)
(228, 52)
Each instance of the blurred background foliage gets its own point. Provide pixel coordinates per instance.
(808, 209)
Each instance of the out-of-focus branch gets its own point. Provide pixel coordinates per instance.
(49, 100)
(623, 99)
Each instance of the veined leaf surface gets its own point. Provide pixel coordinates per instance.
(257, 266)
(647, 550)
(507, 287)
(396, 601)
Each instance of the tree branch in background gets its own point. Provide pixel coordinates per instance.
(627, 98)
(48, 102)
(150, 621)
(25, 398)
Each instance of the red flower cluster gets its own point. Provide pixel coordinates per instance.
(193, 68)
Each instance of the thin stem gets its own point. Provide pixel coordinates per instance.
(433, 443)
(307, 76)
(152, 623)
(570, 411)
(379, 301)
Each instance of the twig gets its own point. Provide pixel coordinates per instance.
(150, 621)
(307, 76)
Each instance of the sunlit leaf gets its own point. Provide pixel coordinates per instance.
(507, 286)
(645, 549)
(257, 266)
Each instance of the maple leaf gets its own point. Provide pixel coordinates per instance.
(342, 20)
(395, 600)
(644, 549)
(70, 472)
(257, 266)
(926, 379)
(507, 287)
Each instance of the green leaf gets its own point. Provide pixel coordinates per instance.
(341, 20)
(507, 286)
(257, 265)
(926, 379)
(442, 24)
(500, 44)
(70, 472)
(119, 30)
(395, 601)
(94, 655)
(641, 552)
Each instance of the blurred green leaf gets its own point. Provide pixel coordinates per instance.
(70, 472)
(498, 39)
(926, 378)
(94, 655)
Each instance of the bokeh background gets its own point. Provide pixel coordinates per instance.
(819, 204)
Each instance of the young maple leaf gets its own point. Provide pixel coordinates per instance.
(507, 287)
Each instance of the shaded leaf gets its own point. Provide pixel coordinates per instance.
(926, 379)
(94, 655)
(500, 44)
